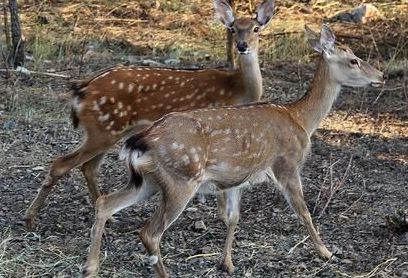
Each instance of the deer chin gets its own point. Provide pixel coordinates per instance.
(246, 52)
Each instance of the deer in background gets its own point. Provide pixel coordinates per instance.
(121, 100)
(227, 148)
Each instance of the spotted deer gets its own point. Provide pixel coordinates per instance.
(123, 99)
(227, 148)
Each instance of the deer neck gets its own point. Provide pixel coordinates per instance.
(314, 106)
(251, 77)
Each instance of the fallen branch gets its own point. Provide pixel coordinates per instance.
(39, 73)
(297, 244)
(120, 20)
(373, 272)
(202, 255)
(335, 188)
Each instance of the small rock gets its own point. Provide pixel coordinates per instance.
(347, 261)
(360, 14)
(172, 62)
(337, 251)
(192, 209)
(9, 124)
(151, 63)
(23, 70)
(206, 250)
(200, 226)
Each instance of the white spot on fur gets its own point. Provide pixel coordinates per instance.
(131, 86)
(102, 100)
(185, 159)
(121, 85)
(95, 106)
(103, 118)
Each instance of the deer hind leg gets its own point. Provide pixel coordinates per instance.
(106, 206)
(58, 169)
(221, 206)
(174, 200)
(90, 172)
(292, 189)
(228, 208)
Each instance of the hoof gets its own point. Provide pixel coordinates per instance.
(88, 272)
(111, 220)
(29, 223)
(335, 258)
(227, 267)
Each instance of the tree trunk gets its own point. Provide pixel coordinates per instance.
(230, 44)
(16, 37)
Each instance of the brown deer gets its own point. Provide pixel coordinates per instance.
(123, 99)
(226, 148)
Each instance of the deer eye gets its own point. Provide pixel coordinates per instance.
(354, 62)
(256, 29)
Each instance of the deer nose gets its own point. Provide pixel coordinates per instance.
(242, 46)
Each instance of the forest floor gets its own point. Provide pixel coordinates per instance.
(358, 165)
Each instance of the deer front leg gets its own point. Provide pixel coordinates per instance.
(228, 207)
(292, 189)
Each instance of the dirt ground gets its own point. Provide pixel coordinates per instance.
(361, 149)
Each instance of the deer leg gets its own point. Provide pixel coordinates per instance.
(292, 190)
(59, 168)
(106, 206)
(231, 202)
(90, 172)
(221, 206)
(172, 205)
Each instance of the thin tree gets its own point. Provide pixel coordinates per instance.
(229, 43)
(17, 57)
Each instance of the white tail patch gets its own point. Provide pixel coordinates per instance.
(77, 104)
(135, 157)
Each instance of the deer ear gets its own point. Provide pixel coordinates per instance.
(224, 13)
(327, 39)
(314, 39)
(264, 12)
